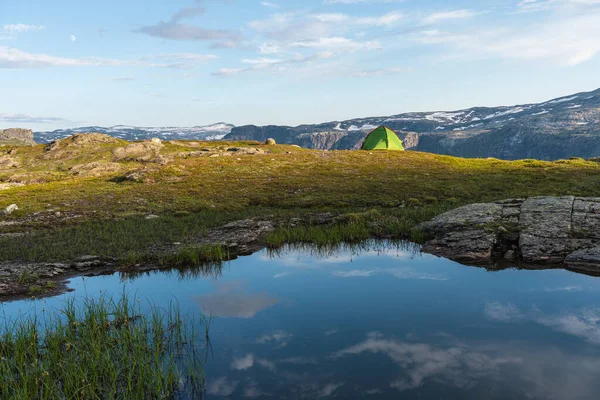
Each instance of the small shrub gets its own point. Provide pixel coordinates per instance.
(430, 199)
(414, 202)
(27, 278)
(35, 290)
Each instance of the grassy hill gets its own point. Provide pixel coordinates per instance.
(91, 194)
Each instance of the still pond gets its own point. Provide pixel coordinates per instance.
(381, 322)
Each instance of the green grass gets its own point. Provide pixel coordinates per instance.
(120, 238)
(100, 349)
(191, 195)
(207, 256)
(358, 227)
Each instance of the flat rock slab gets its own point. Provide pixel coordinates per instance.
(538, 230)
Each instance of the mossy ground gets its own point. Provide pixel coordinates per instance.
(105, 216)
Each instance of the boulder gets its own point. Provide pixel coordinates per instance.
(462, 234)
(538, 230)
(140, 152)
(270, 142)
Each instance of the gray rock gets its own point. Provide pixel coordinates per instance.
(545, 224)
(472, 215)
(464, 234)
(466, 246)
(586, 260)
(10, 209)
(538, 230)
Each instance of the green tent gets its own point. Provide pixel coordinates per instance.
(382, 138)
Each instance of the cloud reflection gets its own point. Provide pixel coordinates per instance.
(232, 300)
(584, 323)
(221, 387)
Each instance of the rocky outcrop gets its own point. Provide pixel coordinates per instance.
(73, 145)
(16, 136)
(140, 152)
(538, 230)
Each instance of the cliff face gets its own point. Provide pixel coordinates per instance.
(560, 128)
(17, 136)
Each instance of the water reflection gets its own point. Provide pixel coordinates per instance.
(232, 300)
(383, 322)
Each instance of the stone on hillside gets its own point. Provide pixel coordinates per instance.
(10, 209)
(16, 136)
(7, 162)
(270, 142)
(140, 152)
(96, 168)
(246, 150)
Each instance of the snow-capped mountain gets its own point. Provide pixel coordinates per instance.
(564, 127)
(568, 126)
(131, 133)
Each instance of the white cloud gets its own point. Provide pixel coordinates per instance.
(563, 40)
(28, 119)
(15, 58)
(269, 4)
(20, 28)
(338, 43)
(449, 15)
(73, 38)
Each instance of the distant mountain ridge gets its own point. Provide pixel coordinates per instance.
(567, 126)
(132, 133)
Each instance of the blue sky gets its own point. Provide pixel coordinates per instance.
(67, 63)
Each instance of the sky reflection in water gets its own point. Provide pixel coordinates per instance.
(384, 323)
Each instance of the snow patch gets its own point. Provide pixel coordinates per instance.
(562, 100)
(514, 110)
(444, 116)
(365, 127)
(541, 112)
